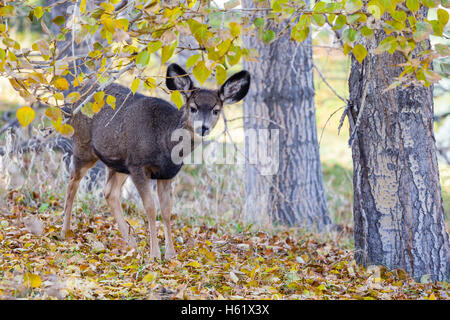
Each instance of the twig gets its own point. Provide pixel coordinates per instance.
(101, 87)
(328, 85)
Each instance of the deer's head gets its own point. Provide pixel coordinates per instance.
(203, 106)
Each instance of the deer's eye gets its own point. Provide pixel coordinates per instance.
(193, 110)
(215, 112)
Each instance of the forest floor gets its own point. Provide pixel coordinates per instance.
(217, 259)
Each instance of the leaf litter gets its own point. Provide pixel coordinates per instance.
(215, 261)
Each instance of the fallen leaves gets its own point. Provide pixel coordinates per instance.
(215, 261)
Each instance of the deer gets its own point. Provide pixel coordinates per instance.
(134, 140)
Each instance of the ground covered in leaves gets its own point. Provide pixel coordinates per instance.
(216, 260)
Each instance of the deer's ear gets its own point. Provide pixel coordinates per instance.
(235, 88)
(178, 79)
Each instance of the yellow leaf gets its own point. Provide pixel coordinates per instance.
(194, 264)
(25, 115)
(167, 52)
(98, 96)
(135, 85)
(53, 113)
(38, 12)
(132, 222)
(111, 100)
(83, 6)
(235, 29)
(201, 72)
(432, 297)
(177, 98)
(109, 24)
(97, 105)
(150, 277)
(73, 97)
(32, 280)
(66, 130)
(61, 84)
(360, 52)
(221, 74)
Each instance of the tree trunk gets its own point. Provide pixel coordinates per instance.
(282, 90)
(398, 211)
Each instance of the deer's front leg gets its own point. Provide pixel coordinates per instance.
(166, 206)
(142, 184)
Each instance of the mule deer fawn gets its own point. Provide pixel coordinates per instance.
(135, 140)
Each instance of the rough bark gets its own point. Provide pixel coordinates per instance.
(282, 90)
(398, 210)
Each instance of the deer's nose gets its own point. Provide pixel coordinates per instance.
(204, 129)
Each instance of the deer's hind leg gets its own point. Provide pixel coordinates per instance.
(80, 167)
(166, 206)
(112, 191)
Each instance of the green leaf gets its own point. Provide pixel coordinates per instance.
(320, 7)
(340, 22)
(234, 55)
(259, 22)
(360, 52)
(388, 44)
(201, 72)
(304, 21)
(350, 35)
(192, 60)
(366, 32)
(430, 3)
(268, 36)
(177, 98)
(299, 34)
(154, 46)
(142, 59)
(318, 19)
(413, 5)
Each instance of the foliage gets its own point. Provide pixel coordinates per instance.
(222, 260)
(133, 33)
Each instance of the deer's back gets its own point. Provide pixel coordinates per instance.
(136, 134)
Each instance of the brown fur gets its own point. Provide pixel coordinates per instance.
(135, 140)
